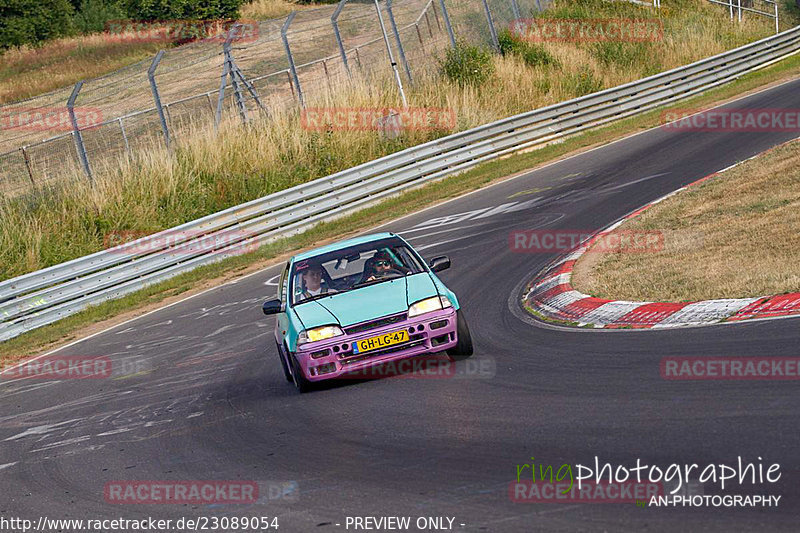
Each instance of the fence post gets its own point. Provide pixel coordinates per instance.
(399, 43)
(221, 97)
(777, 27)
(151, 75)
(124, 136)
(495, 41)
(739, 7)
(515, 9)
(419, 36)
(76, 132)
(292, 68)
(435, 15)
(28, 165)
(237, 88)
(391, 56)
(447, 24)
(335, 24)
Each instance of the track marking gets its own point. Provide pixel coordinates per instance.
(520, 174)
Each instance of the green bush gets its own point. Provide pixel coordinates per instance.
(182, 9)
(93, 15)
(582, 82)
(467, 65)
(532, 54)
(33, 21)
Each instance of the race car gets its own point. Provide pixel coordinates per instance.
(366, 301)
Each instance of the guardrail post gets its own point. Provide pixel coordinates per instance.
(286, 47)
(151, 75)
(76, 132)
(335, 24)
(391, 56)
(399, 43)
(495, 40)
(447, 24)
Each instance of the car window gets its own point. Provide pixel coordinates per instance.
(282, 285)
(352, 268)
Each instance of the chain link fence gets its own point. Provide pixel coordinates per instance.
(252, 68)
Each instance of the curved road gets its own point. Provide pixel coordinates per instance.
(201, 395)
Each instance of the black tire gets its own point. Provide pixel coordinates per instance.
(463, 347)
(300, 382)
(285, 366)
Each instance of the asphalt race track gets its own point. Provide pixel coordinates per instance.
(208, 400)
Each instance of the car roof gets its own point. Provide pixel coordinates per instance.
(342, 244)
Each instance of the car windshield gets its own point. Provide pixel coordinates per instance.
(352, 268)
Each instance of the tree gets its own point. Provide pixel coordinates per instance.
(33, 21)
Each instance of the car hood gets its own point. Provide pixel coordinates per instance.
(366, 303)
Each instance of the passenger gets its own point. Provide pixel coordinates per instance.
(312, 283)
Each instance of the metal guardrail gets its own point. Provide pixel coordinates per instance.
(39, 298)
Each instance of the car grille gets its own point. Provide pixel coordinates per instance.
(416, 340)
(373, 324)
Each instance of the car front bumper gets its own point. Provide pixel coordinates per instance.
(428, 333)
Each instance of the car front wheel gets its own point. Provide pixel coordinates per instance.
(463, 347)
(300, 381)
(282, 357)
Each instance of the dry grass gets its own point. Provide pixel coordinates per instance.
(208, 172)
(270, 9)
(27, 72)
(734, 236)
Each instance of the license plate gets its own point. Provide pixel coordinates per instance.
(380, 341)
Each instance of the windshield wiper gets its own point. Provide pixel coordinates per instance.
(373, 282)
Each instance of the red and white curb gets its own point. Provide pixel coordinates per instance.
(551, 297)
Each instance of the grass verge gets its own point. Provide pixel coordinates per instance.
(735, 235)
(209, 171)
(106, 314)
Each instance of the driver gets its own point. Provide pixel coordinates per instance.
(312, 282)
(382, 266)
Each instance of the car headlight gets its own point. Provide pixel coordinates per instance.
(319, 334)
(437, 303)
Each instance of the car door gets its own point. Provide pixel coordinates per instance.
(282, 318)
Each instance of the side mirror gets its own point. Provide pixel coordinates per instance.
(271, 307)
(440, 263)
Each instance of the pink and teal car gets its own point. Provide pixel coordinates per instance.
(367, 301)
